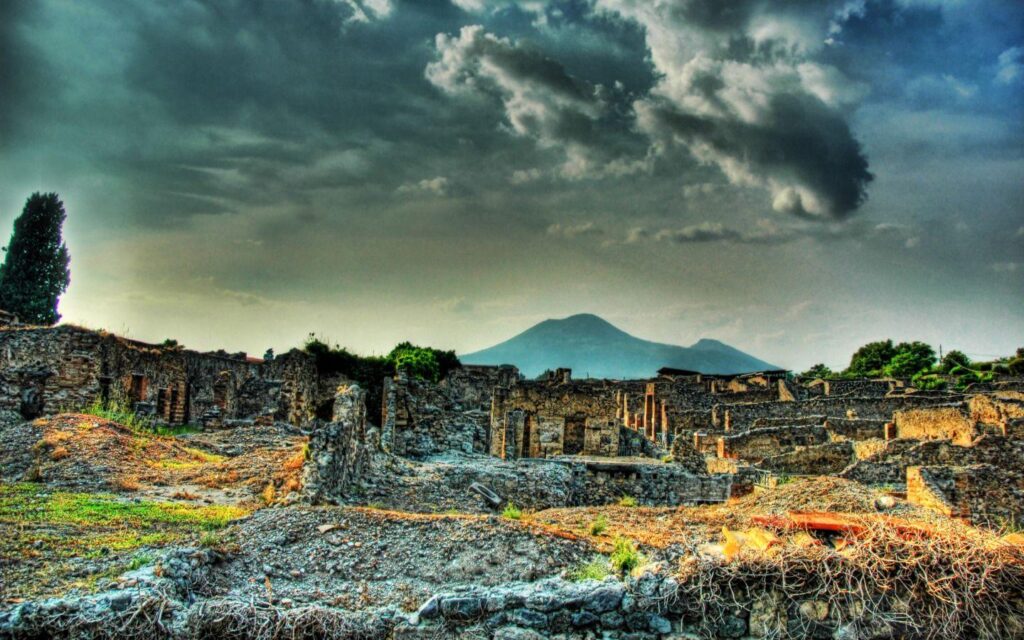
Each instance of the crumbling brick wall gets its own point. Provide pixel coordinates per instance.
(950, 422)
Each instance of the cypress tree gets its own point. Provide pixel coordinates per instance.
(35, 270)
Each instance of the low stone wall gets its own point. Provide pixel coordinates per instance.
(889, 465)
(787, 422)
(825, 459)
(648, 607)
(983, 493)
(655, 484)
(855, 429)
(758, 444)
(741, 417)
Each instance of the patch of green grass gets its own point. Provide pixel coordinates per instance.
(205, 456)
(28, 503)
(512, 512)
(140, 560)
(119, 412)
(625, 556)
(170, 431)
(598, 526)
(212, 539)
(627, 501)
(380, 506)
(596, 569)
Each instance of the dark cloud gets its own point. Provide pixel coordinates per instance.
(799, 149)
(538, 97)
(742, 88)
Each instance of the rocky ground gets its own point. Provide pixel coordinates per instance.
(112, 532)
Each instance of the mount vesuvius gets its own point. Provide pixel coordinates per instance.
(593, 347)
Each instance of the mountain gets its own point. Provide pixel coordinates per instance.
(593, 347)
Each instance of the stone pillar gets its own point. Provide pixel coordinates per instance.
(515, 422)
(387, 427)
(890, 431)
(499, 422)
(665, 430)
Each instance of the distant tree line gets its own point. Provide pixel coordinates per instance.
(424, 363)
(918, 362)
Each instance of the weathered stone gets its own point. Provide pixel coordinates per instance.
(516, 633)
(527, 618)
(584, 619)
(431, 608)
(732, 627)
(658, 624)
(605, 598)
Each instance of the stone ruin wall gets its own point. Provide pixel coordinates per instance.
(340, 451)
(420, 418)
(47, 370)
(982, 493)
(740, 417)
(889, 464)
(950, 422)
(346, 455)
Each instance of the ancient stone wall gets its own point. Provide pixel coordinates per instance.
(758, 444)
(739, 417)
(889, 465)
(47, 370)
(983, 493)
(950, 422)
(854, 429)
(422, 418)
(341, 450)
(857, 388)
(997, 408)
(830, 458)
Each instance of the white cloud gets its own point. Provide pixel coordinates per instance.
(1010, 65)
(367, 10)
(574, 230)
(439, 186)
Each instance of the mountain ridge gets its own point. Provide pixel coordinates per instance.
(593, 347)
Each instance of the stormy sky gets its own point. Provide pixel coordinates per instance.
(793, 177)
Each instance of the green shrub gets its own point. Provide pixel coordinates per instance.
(598, 526)
(140, 560)
(596, 569)
(625, 556)
(927, 381)
(120, 411)
(627, 501)
(511, 512)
